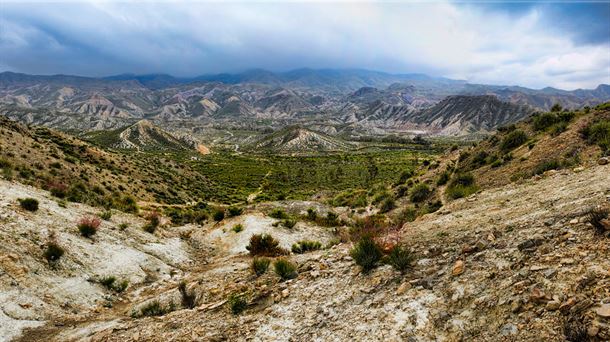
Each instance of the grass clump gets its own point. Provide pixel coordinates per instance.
(234, 211)
(400, 258)
(111, 283)
(188, 298)
(387, 205)
(285, 269)
(305, 246)
(53, 252)
(289, 223)
(443, 178)
(264, 244)
(547, 165)
(513, 140)
(238, 228)
(218, 215)
(419, 193)
(461, 185)
(155, 308)
(278, 214)
(598, 133)
(88, 226)
(105, 215)
(29, 204)
(260, 265)
(237, 303)
(366, 253)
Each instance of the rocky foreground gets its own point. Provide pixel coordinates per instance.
(516, 263)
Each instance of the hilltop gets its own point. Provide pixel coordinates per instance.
(298, 139)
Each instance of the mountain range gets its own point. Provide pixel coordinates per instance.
(334, 101)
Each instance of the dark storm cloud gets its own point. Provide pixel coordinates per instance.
(534, 44)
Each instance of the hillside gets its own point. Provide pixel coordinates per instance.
(299, 140)
(516, 263)
(144, 136)
(260, 99)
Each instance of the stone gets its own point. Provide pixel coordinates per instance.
(574, 221)
(285, 293)
(593, 330)
(552, 305)
(458, 268)
(579, 169)
(603, 310)
(508, 329)
(603, 161)
(567, 304)
(404, 287)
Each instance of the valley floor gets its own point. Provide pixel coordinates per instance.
(508, 264)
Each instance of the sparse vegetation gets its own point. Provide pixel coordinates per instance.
(155, 308)
(596, 217)
(285, 269)
(513, 140)
(88, 226)
(218, 215)
(304, 246)
(264, 244)
(234, 211)
(105, 215)
(367, 253)
(111, 283)
(278, 214)
(154, 219)
(400, 258)
(29, 204)
(461, 185)
(419, 193)
(188, 298)
(547, 165)
(238, 228)
(260, 265)
(53, 252)
(237, 303)
(598, 133)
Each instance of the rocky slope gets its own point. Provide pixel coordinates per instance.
(298, 139)
(516, 263)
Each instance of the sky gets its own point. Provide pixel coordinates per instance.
(528, 43)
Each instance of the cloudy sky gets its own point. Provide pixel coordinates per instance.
(534, 44)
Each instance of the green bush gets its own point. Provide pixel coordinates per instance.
(443, 178)
(238, 228)
(218, 215)
(154, 219)
(154, 308)
(29, 204)
(544, 121)
(400, 258)
(285, 269)
(53, 252)
(260, 265)
(235, 211)
(598, 133)
(387, 205)
(408, 214)
(512, 140)
(312, 214)
(366, 253)
(419, 193)
(110, 282)
(461, 185)
(305, 246)
(278, 214)
(264, 244)
(106, 215)
(547, 165)
(289, 223)
(237, 303)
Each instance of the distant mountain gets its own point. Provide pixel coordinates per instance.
(298, 139)
(259, 98)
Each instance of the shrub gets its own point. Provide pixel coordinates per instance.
(87, 226)
(408, 214)
(260, 266)
(512, 140)
(305, 246)
(402, 191)
(443, 178)
(285, 269)
(235, 211)
(106, 215)
(400, 258)
(278, 214)
(433, 206)
(154, 219)
(121, 286)
(237, 304)
(544, 121)
(598, 133)
(351, 198)
(289, 223)
(264, 244)
(123, 226)
(547, 165)
(110, 282)
(154, 308)
(366, 253)
(53, 252)
(595, 216)
(127, 204)
(238, 228)
(188, 298)
(419, 193)
(461, 185)
(218, 215)
(387, 205)
(29, 204)
(312, 214)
